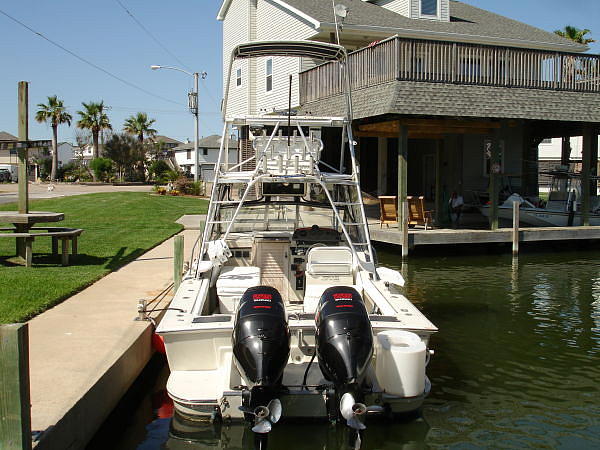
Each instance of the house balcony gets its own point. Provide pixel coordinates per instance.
(418, 77)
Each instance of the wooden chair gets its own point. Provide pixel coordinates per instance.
(417, 214)
(388, 207)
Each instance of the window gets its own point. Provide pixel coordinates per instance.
(429, 8)
(238, 77)
(269, 74)
(188, 154)
(205, 151)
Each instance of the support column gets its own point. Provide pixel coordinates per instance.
(565, 152)
(402, 175)
(493, 189)
(589, 159)
(382, 165)
(438, 182)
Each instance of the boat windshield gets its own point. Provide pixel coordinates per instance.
(561, 187)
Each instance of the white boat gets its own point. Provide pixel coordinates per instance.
(562, 209)
(284, 311)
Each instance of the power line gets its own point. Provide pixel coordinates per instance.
(150, 34)
(95, 66)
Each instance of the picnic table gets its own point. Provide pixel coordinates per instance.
(25, 232)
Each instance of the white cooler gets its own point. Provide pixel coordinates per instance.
(400, 363)
(232, 283)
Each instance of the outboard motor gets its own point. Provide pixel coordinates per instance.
(344, 342)
(261, 346)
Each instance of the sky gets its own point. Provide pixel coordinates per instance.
(181, 33)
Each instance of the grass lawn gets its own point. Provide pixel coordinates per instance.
(119, 227)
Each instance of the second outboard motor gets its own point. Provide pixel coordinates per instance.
(261, 346)
(344, 336)
(344, 341)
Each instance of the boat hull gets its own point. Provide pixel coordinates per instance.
(540, 217)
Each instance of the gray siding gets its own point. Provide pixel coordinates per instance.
(235, 31)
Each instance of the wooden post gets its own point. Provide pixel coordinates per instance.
(405, 230)
(515, 230)
(23, 152)
(494, 191)
(65, 251)
(15, 408)
(586, 157)
(402, 174)
(565, 152)
(178, 262)
(438, 183)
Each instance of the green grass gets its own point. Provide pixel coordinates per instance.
(119, 227)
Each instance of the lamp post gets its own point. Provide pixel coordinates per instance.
(193, 106)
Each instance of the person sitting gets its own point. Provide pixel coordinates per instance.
(456, 204)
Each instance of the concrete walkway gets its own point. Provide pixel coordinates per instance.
(86, 352)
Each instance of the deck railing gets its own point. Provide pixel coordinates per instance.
(452, 62)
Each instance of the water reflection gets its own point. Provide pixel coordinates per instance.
(516, 363)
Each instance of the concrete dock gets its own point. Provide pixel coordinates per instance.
(86, 352)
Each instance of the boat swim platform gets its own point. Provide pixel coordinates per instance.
(464, 236)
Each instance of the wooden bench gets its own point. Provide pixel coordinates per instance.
(65, 235)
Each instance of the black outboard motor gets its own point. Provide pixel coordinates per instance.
(344, 341)
(261, 338)
(261, 347)
(344, 336)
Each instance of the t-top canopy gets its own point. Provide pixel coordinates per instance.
(311, 49)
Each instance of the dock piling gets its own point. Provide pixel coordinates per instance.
(177, 262)
(15, 405)
(515, 230)
(404, 229)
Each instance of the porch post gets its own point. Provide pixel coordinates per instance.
(402, 174)
(381, 165)
(589, 161)
(494, 191)
(565, 153)
(438, 182)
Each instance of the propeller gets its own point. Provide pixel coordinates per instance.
(354, 412)
(265, 416)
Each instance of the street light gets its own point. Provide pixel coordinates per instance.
(193, 106)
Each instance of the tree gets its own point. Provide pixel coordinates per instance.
(102, 168)
(94, 118)
(128, 154)
(575, 34)
(54, 113)
(139, 125)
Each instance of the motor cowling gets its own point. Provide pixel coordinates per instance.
(261, 337)
(344, 337)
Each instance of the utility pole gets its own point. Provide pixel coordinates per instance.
(193, 104)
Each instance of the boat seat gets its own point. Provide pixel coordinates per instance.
(327, 267)
(232, 283)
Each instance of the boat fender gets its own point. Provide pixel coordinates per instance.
(158, 344)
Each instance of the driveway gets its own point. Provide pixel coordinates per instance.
(8, 191)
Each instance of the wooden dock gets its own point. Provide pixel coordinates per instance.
(418, 237)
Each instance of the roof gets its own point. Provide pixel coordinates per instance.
(4, 136)
(443, 99)
(165, 139)
(467, 24)
(213, 141)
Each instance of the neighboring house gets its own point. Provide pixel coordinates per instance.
(66, 153)
(166, 142)
(7, 156)
(440, 89)
(166, 145)
(86, 153)
(208, 156)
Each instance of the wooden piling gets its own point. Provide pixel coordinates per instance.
(22, 152)
(405, 229)
(15, 407)
(515, 230)
(177, 262)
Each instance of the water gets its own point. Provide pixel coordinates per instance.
(517, 364)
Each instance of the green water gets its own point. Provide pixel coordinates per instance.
(516, 365)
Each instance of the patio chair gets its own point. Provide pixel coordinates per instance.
(388, 207)
(417, 214)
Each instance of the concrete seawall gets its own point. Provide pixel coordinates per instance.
(86, 352)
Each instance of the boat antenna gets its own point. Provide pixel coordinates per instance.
(289, 111)
(340, 11)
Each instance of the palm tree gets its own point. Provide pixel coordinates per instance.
(54, 113)
(94, 118)
(575, 34)
(139, 125)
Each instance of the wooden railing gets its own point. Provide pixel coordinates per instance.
(452, 62)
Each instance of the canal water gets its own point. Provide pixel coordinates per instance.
(516, 365)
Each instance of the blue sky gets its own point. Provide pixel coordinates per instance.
(103, 33)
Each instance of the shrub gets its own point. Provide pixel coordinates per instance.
(158, 169)
(102, 167)
(183, 185)
(196, 188)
